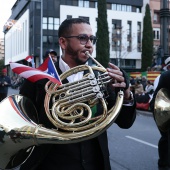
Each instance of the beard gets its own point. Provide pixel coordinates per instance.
(75, 55)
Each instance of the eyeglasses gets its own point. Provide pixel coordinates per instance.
(84, 38)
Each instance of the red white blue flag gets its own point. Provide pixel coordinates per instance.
(46, 70)
(29, 58)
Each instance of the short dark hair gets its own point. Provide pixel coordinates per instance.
(50, 51)
(66, 25)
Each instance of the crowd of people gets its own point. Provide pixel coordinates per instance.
(16, 82)
(143, 90)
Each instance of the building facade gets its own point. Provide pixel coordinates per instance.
(31, 31)
(1, 48)
(155, 16)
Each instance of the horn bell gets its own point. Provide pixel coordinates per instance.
(162, 109)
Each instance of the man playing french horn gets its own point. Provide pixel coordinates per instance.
(77, 41)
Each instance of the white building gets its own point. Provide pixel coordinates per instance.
(125, 20)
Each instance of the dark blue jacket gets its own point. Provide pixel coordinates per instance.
(3, 87)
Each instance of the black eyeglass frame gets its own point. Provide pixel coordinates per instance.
(92, 38)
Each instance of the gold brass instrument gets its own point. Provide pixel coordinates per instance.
(71, 113)
(162, 109)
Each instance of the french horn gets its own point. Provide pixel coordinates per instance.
(71, 112)
(162, 109)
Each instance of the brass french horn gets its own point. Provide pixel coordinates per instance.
(71, 113)
(162, 109)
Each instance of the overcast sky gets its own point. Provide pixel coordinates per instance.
(5, 13)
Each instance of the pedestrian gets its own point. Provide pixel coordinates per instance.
(52, 53)
(5, 82)
(162, 81)
(75, 38)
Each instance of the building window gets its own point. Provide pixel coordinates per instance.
(44, 39)
(75, 3)
(114, 7)
(129, 8)
(86, 4)
(138, 10)
(156, 17)
(92, 5)
(44, 23)
(116, 35)
(109, 6)
(37, 5)
(82, 3)
(118, 7)
(50, 23)
(139, 37)
(156, 33)
(129, 36)
(128, 63)
(56, 23)
(123, 7)
(50, 39)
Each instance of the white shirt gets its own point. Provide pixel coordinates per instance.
(74, 77)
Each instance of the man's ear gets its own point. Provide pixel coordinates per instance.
(62, 42)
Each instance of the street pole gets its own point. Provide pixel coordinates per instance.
(41, 35)
(164, 24)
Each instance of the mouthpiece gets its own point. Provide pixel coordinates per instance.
(95, 61)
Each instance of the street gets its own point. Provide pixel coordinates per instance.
(134, 148)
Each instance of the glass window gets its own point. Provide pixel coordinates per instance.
(50, 39)
(44, 39)
(50, 20)
(114, 7)
(108, 6)
(156, 33)
(129, 8)
(80, 3)
(95, 4)
(123, 7)
(92, 5)
(56, 23)
(138, 10)
(44, 22)
(50, 23)
(38, 5)
(86, 4)
(75, 3)
(118, 7)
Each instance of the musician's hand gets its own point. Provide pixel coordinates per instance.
(117, 76)
(118, 79)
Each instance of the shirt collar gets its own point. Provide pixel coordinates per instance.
(64, 66)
